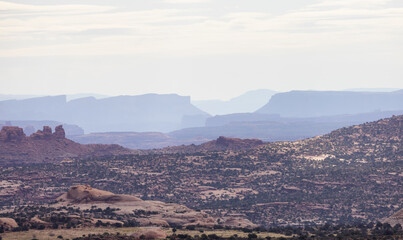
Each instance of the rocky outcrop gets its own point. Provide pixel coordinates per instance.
(8, 223)
(47, 146)
(46, 133)
(87, 194)
(11, 134)
(160, 214)
(59, 132)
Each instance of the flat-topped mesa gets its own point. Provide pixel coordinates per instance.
(87, 194)
(46, 133)
(11, 134)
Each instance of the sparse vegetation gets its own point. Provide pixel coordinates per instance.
(338, 185)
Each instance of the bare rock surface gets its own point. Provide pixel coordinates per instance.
(87, 194)
(162, 214)
(8, 223)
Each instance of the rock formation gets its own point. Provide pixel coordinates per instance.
(87, 194)
(46, 133)
(160, 213)
(59, 132)
(11, 134)
(47, 146)
(8, 223)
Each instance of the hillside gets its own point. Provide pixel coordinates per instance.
(381, 140)
(220, 144)
(327, 103)
(45, 146)
(352, 175)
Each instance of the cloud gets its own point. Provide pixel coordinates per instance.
(9, 9)
(185, 1)
(101, 30)
(351, 3)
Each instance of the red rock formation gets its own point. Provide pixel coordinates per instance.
(59, 132)
(45, 146)
(11, 134)
(46, 133)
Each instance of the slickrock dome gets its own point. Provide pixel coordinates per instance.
(159, 213)
(8, 223)
(87, 194)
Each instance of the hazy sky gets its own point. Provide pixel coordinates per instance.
(203, 48)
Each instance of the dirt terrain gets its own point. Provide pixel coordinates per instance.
(351, 175)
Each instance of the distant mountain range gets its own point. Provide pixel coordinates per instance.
(156, 121)
(267, 128)
(328, 103)
(372, 89)
(150, 112)
(68, 96)
(245, 103)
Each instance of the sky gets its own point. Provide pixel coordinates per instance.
(206, 49)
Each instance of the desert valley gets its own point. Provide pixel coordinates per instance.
(350, 178)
